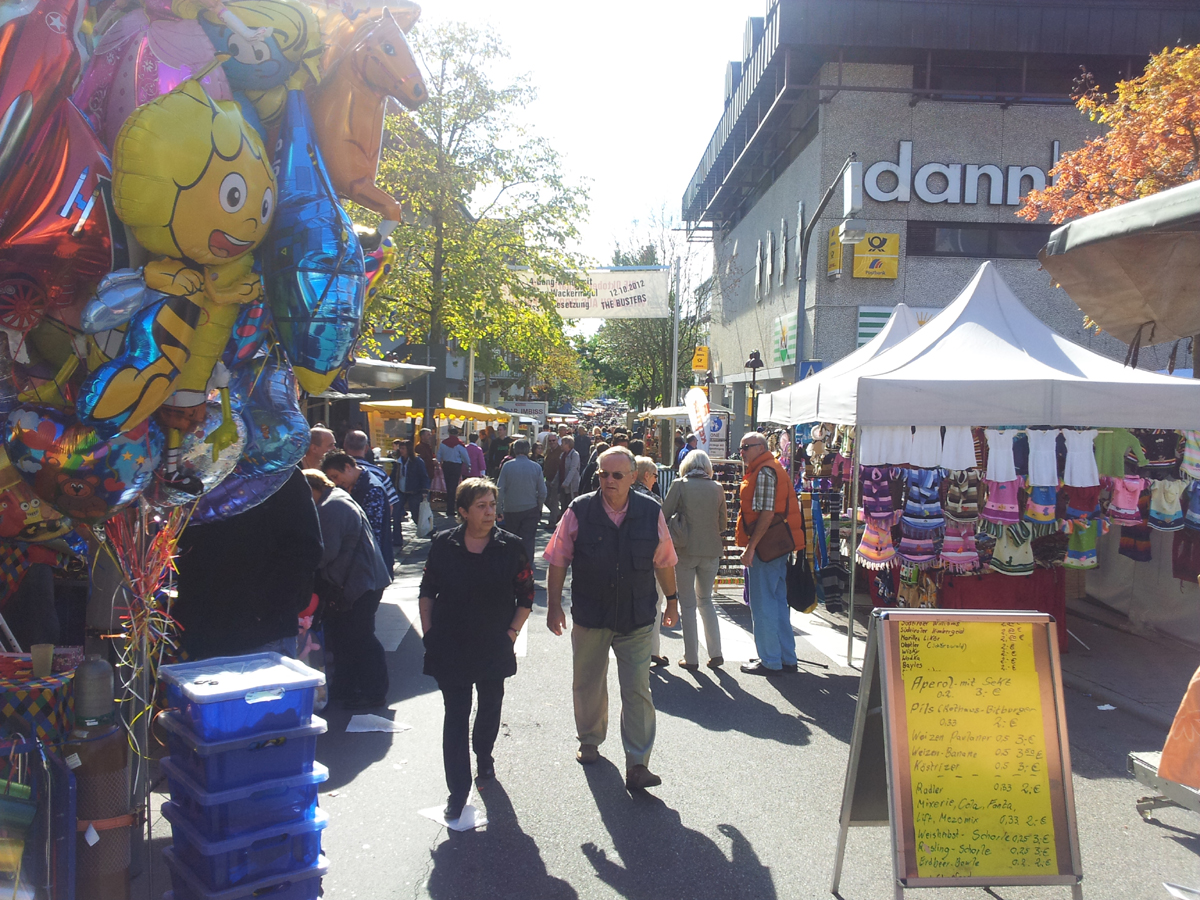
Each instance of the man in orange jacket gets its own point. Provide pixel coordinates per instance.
(764, 492)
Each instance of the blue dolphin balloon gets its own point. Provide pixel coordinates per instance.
(312, 261)
(276, 430)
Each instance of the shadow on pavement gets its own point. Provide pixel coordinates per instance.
(826, 700)
(501, 861)
(715, 701)
(348, 755)
(658, 857)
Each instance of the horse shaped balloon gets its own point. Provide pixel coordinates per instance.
(348, 107)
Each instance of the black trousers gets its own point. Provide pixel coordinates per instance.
(452, 473)
(360, 666)
(456, 754)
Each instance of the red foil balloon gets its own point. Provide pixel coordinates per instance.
(56, 234)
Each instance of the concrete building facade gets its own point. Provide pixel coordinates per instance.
(955, 110)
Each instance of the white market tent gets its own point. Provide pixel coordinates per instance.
(799, 402)
(987, 360)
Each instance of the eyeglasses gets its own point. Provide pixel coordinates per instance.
(615, 476)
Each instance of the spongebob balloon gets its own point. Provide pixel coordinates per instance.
(193, 184)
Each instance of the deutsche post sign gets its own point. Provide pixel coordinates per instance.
(833, 259)
(877, 256)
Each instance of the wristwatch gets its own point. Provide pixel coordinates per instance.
(674, 596)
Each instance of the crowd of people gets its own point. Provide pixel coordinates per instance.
(639, 560)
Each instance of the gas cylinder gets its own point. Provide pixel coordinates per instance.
(98, 753)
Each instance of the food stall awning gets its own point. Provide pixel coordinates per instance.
(452, 409)
(1134, 267)
(378, 373)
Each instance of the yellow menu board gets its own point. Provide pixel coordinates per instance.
(962, 710)
(980, 786)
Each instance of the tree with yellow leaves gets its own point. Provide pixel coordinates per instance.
(1152, 142)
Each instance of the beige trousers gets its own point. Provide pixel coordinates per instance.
(590, 688)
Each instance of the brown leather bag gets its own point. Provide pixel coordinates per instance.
(778, 540)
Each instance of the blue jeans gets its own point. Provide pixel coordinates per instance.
(769, 613)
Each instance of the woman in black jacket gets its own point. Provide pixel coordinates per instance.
(476, 594)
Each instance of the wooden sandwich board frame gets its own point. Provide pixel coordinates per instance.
(879, 776)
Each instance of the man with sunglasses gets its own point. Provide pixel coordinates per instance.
(764, 501)
(617, 544)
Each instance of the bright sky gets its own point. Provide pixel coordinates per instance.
(628, 92)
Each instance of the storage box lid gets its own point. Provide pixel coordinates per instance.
(318, 774)
(242, 891)
(209, 847)
(230, 677)
(211, 748)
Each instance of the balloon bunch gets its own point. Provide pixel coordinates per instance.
(168, 287)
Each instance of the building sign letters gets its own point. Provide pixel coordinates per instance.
(953, 182)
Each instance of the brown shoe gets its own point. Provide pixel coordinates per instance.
(716, 662)
(684, 664)
(587, 754)
(639, 778)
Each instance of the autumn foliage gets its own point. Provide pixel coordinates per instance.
(1152, 142)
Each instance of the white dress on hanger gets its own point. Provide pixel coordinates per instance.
(958, 448)
(1001, 465)
(884, 445)
(926, 452)
(1082, 470)
(1043, 458)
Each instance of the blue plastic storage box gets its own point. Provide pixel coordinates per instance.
(234, 696)
(223, 765)
(302, 885)
(251, 808)
(271, 852)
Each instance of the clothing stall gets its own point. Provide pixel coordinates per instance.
(987, 443)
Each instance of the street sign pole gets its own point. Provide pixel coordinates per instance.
(669, 400)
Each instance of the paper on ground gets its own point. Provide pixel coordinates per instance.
(470, 819)
(1179, 892)
(1105, 706)
(367, 722)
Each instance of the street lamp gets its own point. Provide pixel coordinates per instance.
(754, 363)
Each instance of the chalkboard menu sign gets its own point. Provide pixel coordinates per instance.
(968, 709)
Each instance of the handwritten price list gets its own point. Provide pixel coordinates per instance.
(977, 751)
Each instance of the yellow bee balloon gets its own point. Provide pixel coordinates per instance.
(192, 182)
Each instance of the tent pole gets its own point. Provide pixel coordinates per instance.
(853, 548)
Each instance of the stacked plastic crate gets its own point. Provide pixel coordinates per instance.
(243, 779)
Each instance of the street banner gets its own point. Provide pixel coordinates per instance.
(620, 292)
(534, 409)
(696, 402)
(700, 360)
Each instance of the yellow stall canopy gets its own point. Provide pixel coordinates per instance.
(453, 409)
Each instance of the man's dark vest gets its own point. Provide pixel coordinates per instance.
(612, 574)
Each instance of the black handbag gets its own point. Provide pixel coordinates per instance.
(801, 587)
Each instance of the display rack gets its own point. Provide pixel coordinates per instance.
(728, 473)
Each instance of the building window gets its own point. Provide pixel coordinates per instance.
(977, 240)
(974, 83)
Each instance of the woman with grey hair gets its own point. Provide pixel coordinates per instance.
(697, 517)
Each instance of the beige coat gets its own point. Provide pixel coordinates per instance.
(700, 502)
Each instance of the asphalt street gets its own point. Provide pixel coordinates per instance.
(752, 774)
